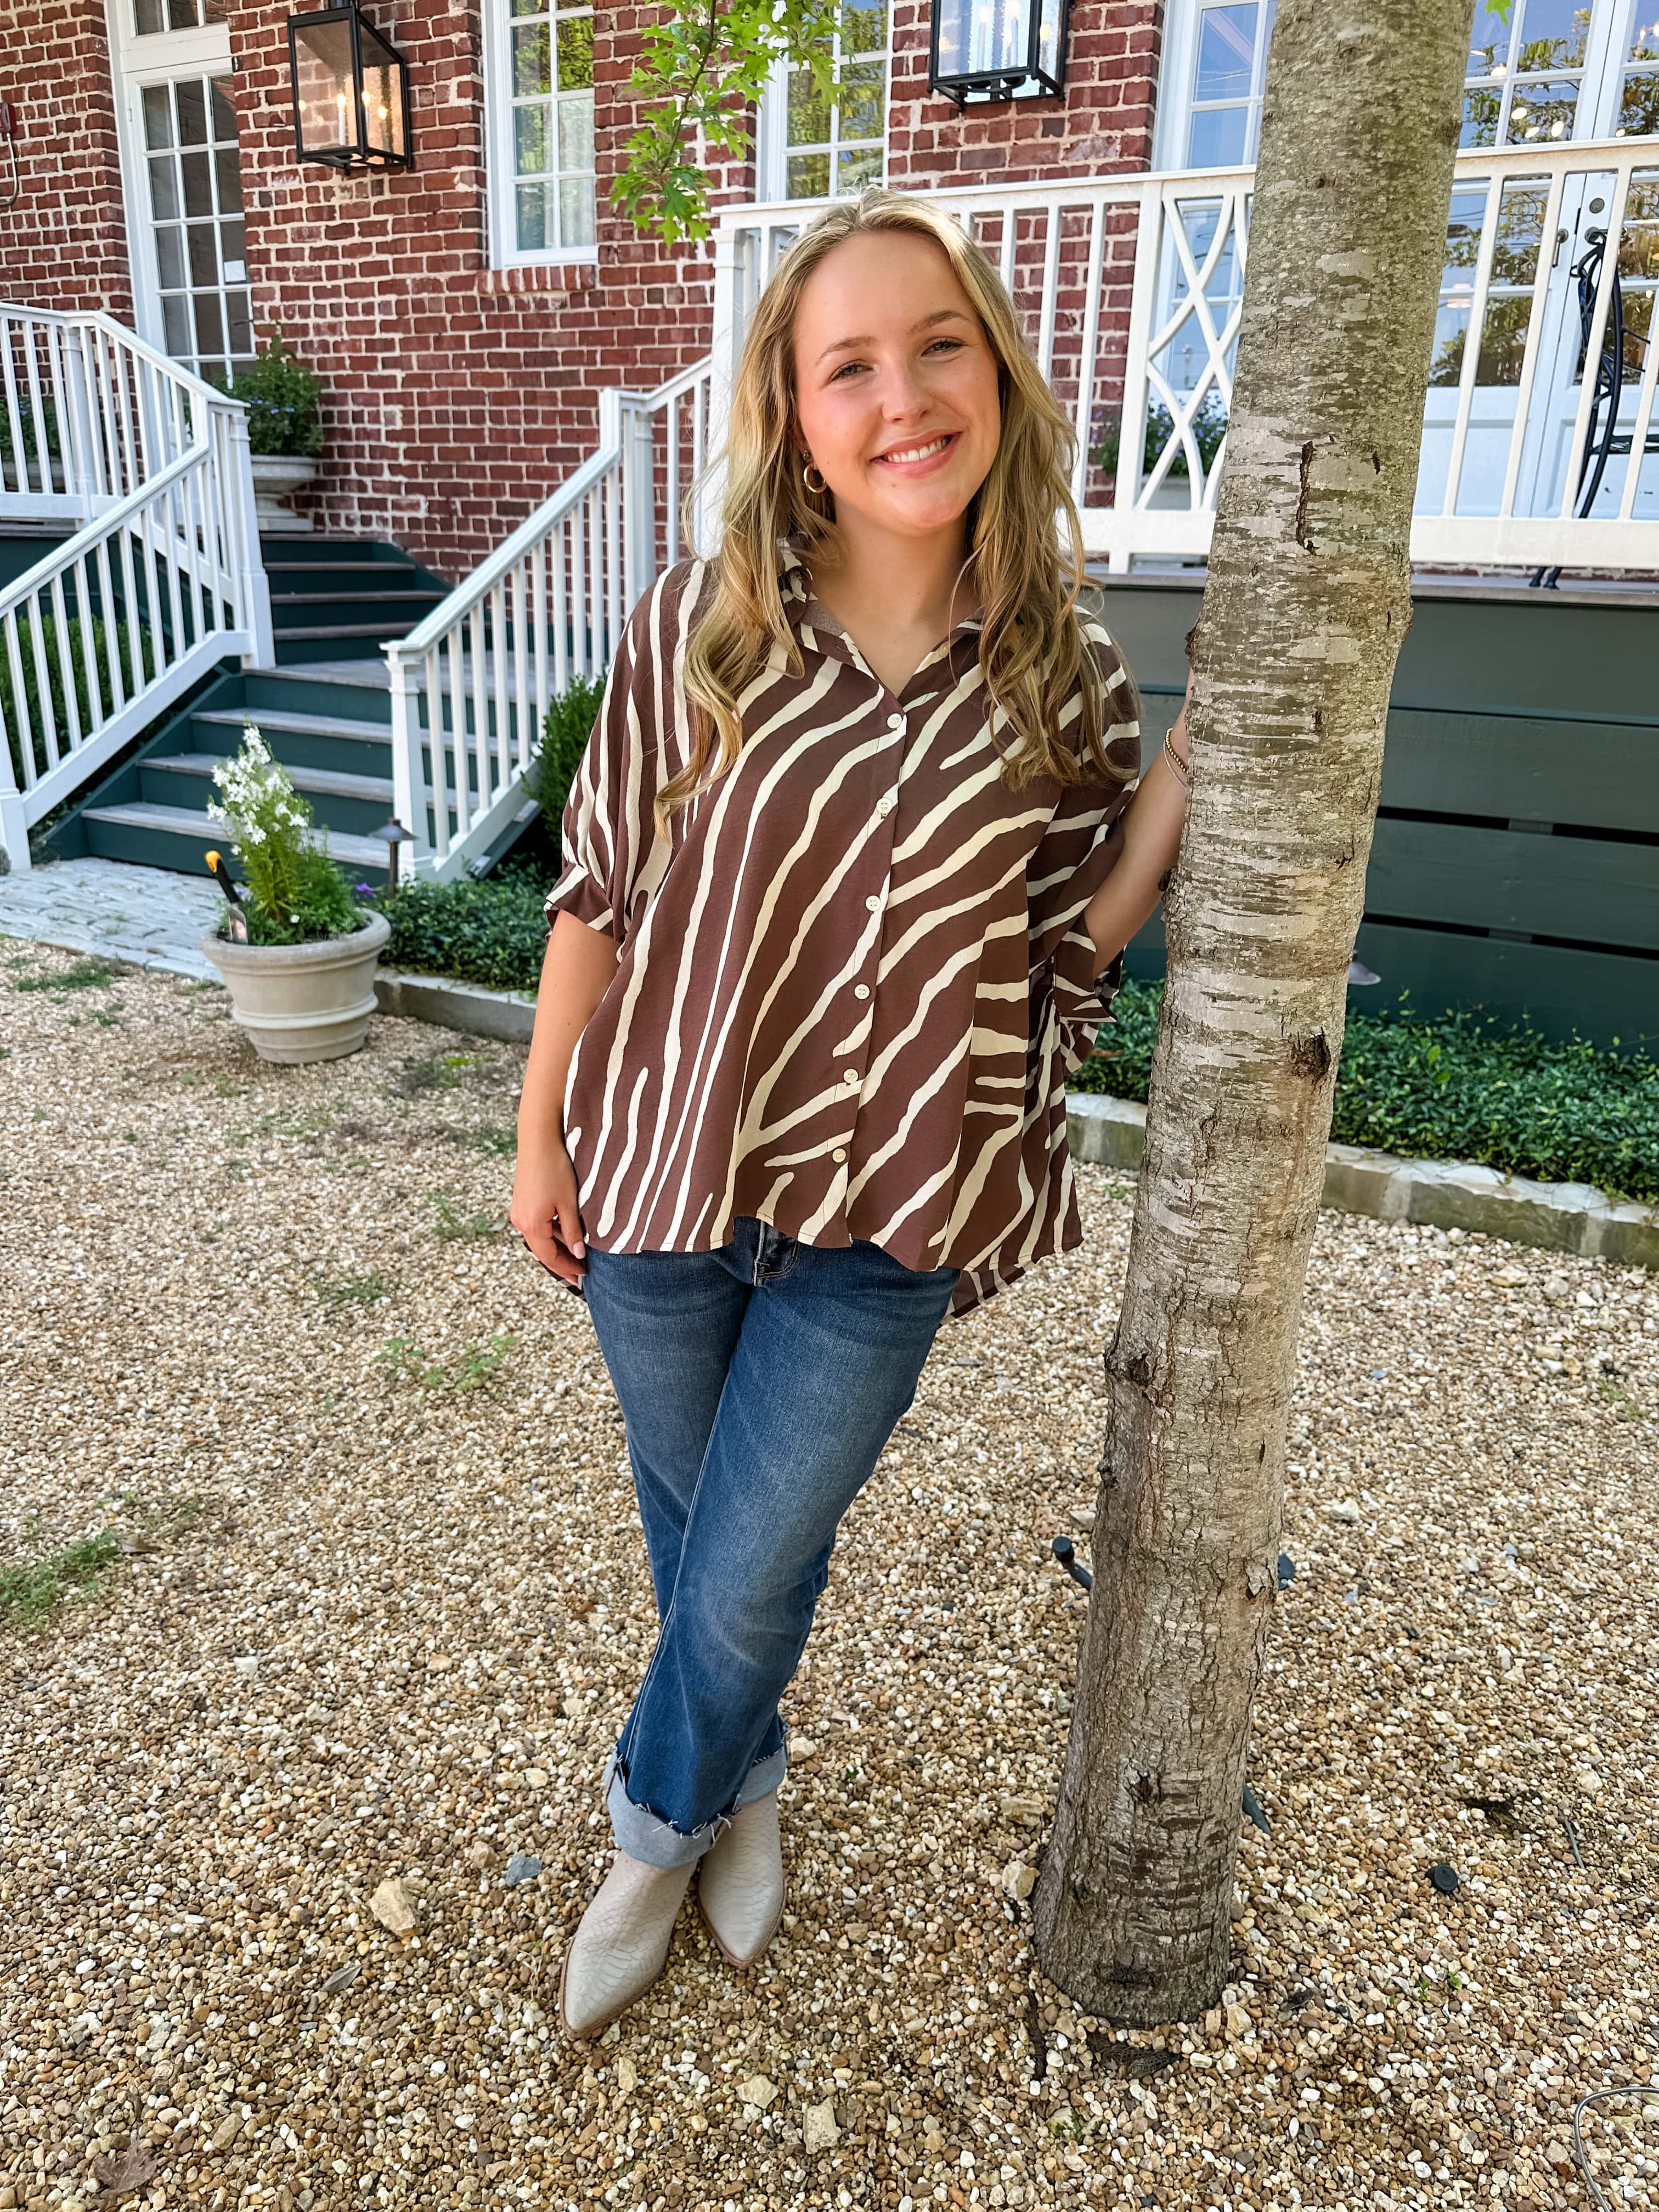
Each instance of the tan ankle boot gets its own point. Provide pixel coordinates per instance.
(621, 1945)
(741, 1882)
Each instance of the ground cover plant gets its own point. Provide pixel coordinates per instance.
(1454, 1087)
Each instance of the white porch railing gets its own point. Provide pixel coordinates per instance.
(1130, 288)
(472, 685)
(162, 578)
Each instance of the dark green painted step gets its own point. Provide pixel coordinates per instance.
(176, 837)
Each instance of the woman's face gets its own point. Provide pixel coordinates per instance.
(896, 383)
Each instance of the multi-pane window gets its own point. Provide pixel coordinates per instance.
(548, 114)
(833, 146)
(1526, 71)
(149, 16)
(1639, 93)
(196, 208)
(1229, 66)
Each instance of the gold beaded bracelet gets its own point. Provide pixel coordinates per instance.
(1175, 768)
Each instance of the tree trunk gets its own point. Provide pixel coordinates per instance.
(1307, 602)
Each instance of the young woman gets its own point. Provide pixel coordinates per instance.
(849, 864)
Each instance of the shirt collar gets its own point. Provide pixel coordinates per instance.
(818, 629)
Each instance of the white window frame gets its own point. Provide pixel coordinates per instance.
(1600, 77)
(137, 59)
(500, 176)
(1173, 119)
(772, 126)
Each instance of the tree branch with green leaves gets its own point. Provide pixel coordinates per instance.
(703, 69)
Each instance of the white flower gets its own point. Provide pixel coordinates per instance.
(253, 835)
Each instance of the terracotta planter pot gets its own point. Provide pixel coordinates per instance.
(300, 1002)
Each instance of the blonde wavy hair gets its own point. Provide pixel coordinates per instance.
(1031, 647)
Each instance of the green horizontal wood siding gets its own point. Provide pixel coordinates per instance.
(1590, 890)
(1514, 715)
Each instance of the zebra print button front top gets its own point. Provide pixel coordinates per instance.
(853, 982)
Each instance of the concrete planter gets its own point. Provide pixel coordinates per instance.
(277, 476)
(301, 1002)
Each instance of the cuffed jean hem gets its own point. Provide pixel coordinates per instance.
(647, 1837)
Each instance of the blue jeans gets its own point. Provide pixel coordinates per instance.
(759, 1384)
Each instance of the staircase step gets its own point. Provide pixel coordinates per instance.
(286, 634)
(300, 551)
(300, 725)
(354, 581)
(379, 596)
(185, 822)
(364, 675)
(332, 783)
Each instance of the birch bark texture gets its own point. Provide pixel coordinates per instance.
(1307, 601)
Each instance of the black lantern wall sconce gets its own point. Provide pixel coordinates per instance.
(986, 50)
(351, 90)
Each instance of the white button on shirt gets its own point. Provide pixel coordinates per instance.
(895, 721)
(873, 901)
(884, 807)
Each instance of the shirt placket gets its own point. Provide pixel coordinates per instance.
(853, 1065)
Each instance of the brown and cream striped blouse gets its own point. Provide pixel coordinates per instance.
(852, 984)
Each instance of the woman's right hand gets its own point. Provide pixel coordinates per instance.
(544, 1210)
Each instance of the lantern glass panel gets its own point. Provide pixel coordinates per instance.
(383, 95)
(324, 87)
(1048, 42)
(999, 33)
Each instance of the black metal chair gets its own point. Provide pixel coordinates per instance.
(1604, 438)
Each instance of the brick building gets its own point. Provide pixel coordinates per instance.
(461, 348)
(520, 387)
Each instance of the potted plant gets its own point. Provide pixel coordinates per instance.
(284, 430)
(302, 983)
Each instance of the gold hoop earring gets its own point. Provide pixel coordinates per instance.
(807, 475)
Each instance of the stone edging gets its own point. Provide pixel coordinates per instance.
(1560, 1217)
(510, 1015)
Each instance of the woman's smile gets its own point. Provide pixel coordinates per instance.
(917, 460)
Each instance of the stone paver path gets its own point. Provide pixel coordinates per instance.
(149, 916)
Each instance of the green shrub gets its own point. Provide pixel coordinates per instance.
(29, 716)
(1454, 1087)
(281, 395)
(1209, 428)
(564, 738)
(489, 932)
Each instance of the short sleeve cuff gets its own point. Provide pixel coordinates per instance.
(576, 893)
(1083, 990)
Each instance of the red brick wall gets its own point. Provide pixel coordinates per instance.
(64, 243)
(457, 396)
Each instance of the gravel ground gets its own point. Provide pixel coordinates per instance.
(383, 1601)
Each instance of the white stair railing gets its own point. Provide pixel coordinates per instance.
(162, 578)
(472, 685)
